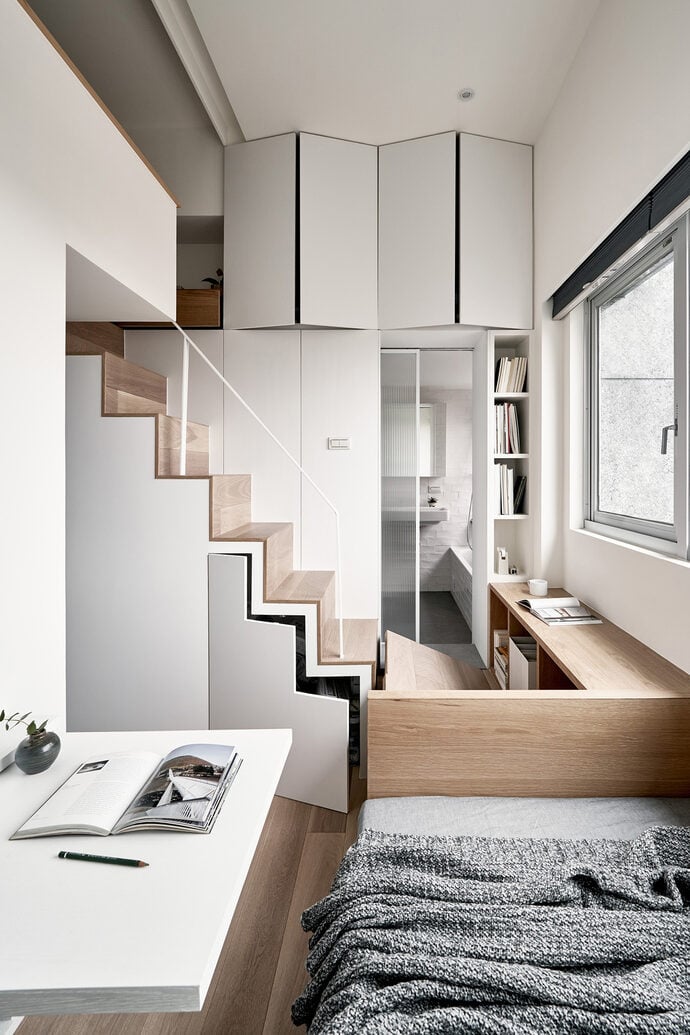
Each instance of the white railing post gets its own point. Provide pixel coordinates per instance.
(288, 454)
(339, 585)
(185, 402)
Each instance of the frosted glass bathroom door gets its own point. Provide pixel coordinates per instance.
(399, 495)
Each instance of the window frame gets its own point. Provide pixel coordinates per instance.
(652, 535)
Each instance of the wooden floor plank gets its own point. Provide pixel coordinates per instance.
(325, 821)
(320, 859)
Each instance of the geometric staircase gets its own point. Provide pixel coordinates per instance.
(129, 390)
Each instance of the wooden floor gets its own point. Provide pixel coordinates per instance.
(261, 967)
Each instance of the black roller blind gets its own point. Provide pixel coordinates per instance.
(670, 192)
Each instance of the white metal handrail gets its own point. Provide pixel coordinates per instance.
(187, 341)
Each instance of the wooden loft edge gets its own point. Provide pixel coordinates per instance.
(87, 85)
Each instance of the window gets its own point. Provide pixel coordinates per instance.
(637, 484)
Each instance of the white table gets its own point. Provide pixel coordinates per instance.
(87, 938)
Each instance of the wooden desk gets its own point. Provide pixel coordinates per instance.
(610, 719)
(589, 657)
(81, 938)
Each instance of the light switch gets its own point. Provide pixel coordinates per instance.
(338, 443)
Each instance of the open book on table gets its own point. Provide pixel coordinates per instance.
(559, 610)
(120, 792)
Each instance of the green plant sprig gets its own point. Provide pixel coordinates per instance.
(15, 719)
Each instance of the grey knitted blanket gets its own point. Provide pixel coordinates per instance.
(485, 936)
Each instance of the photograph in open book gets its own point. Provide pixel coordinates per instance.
(559, 611)
(184, 786)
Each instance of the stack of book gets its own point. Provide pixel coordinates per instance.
(510, 490)
(560, 611)
(507, 439)
(511, 374)
(501, 657)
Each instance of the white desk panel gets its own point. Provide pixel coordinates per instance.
(89, 938)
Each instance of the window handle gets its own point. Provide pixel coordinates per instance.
(664, 434)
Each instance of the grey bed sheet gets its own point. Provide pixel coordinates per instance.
(523, 817)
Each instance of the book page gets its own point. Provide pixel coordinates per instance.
(183, 788)
(543, 604)
(95, 796)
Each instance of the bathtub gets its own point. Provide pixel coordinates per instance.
(461, 580)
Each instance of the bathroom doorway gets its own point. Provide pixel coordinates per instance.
(426, 493)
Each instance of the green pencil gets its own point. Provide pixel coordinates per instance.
(101, 859)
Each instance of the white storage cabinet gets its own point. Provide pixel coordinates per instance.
(313, 262)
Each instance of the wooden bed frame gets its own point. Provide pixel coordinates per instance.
(610, 718)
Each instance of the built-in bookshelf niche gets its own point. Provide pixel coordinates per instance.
(509, 451)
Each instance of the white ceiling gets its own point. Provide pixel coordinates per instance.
(383, 70)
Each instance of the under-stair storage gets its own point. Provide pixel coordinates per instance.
(253, 684)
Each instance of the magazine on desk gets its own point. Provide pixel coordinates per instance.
(138, 790)
(559, 610)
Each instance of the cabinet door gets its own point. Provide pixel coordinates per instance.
(495, 213)
(340, 399)
(338, 233)
(260, 225)
(417, 232)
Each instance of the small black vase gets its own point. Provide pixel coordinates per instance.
(37, 752)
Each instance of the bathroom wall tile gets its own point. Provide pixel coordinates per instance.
(456, 489)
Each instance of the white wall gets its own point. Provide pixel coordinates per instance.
(197, 261)
(66, 177)
(137, 588)
(190, 160)
(621, 121)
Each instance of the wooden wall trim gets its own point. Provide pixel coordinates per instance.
(85, 83)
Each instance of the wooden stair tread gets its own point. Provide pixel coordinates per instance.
(360, 643)
(254, 532)
(306, 587)
(412, 669)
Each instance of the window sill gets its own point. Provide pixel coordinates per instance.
(614, 541)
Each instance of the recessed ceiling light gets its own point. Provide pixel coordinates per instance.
(466, 93)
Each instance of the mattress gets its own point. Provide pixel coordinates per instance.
(523, 817)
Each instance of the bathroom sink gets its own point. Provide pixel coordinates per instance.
(433, 514)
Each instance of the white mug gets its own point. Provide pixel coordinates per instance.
(538, 587)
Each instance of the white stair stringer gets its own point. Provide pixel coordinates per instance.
(252, 684)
